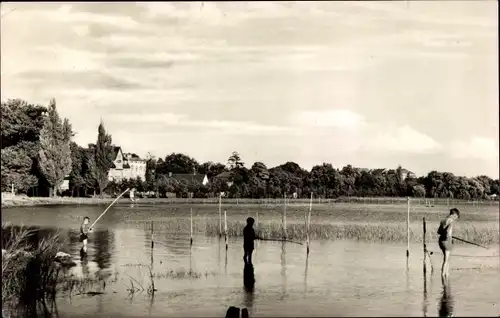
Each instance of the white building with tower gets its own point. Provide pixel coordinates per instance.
(126, 166)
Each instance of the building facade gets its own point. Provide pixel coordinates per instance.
(126, 166)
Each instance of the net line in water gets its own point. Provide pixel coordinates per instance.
(460, 255)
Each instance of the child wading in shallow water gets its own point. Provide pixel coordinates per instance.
(445, 231)
(249, 237)
(84, 230)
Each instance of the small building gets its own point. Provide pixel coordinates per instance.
(126, 166)
(65, 184)
(190, 178)
(225, 176)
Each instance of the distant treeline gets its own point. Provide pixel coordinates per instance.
(37, 154)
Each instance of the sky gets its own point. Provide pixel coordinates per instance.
(371, 84)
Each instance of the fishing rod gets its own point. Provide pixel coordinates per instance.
(278, 240)
(108, 208)
(462, 240)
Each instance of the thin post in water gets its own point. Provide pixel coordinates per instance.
(257, 224)
(220, 215)
(191, 219)
(408, 228)
(284, 217)
(308, 221)
(225, 228)
(424, 245)
(152, 239)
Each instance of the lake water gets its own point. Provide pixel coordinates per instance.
(339, 278)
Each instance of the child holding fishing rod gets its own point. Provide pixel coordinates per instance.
(249, 237)
(445, 231)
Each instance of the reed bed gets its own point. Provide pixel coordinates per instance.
(29, 273)
(485, 233)
(182, 274)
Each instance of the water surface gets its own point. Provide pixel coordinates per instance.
(339, 278)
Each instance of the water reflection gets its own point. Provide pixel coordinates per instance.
(283, 267)
(249, 277)
(447, 302)
(425, 303)
(305, 276)
(225, 264)
(249, 285)
(104, 245)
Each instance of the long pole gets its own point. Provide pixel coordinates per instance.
(108, 208)
(220, 215)
(191, 230)
(281, 240)
(408, 229)
(472, 243)
(225, 228)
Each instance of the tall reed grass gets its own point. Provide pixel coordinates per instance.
(29, 273)
(485, 233)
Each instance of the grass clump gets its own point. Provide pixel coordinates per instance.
(29, 273)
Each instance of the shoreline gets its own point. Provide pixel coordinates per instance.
(9, 201)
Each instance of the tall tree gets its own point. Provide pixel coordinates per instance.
(234, 161)
(16, 167)
(76, 177)
(177, 163)
(20, 141)
(260, 170)
(55, 153)
(103, 158)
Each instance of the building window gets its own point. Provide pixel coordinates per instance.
(118, 161)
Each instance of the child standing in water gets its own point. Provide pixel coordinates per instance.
(445, 231)
(249, 237)
(84, 230)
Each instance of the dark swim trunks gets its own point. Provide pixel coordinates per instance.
(83, 237)
(445, 245)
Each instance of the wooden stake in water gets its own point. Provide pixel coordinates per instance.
(257, 224)
(220, 215)
(152, 239)
(308, 221)
(424, 245)
(408, 228)
(191, 219)
(284, 218)
(225, 228)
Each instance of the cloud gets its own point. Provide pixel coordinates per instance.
(171, 120)
(476, 148)
(74, 79)
(403, 139)
(241, 68)
(339, 118)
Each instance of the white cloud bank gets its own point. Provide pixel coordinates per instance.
(402, 139)
(476, 148)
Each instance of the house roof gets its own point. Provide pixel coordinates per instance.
(115, 150)
(224, 175)
(188, 177)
